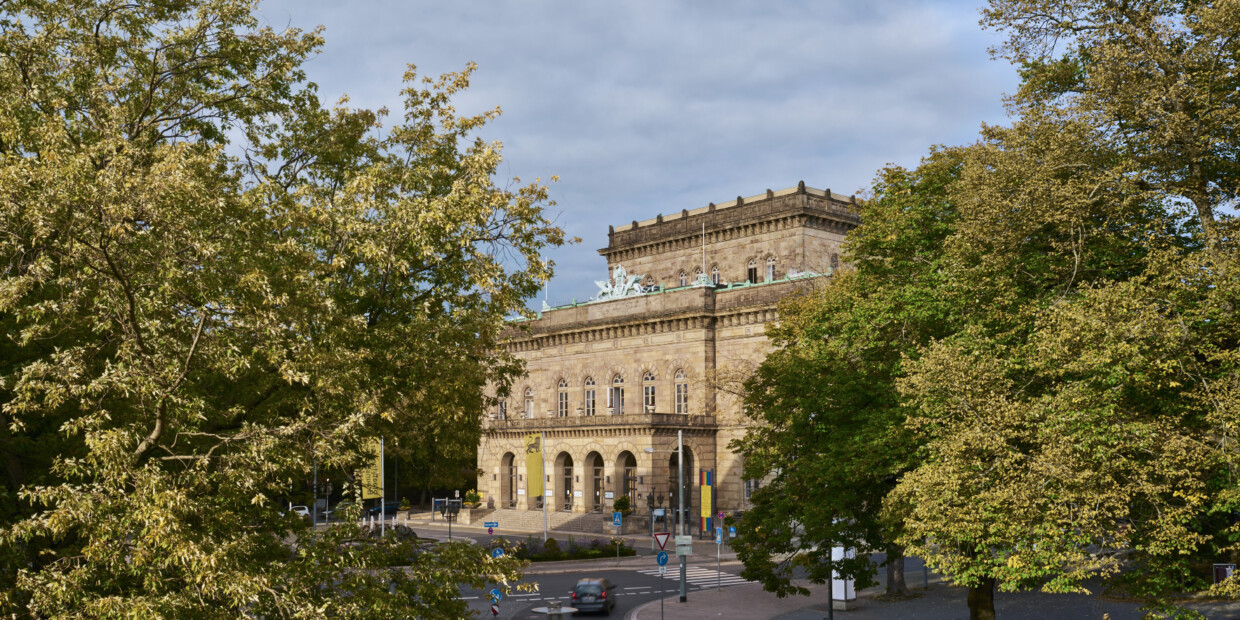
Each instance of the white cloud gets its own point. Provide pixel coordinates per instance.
(650, 107)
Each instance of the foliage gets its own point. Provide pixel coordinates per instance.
(210, 281)
(472, 497)
(1067, 410)
(830, 422)
(623, 505)
(535, 550)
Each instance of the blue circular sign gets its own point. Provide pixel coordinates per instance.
(495, 596)
(661, 558)
(496, 553)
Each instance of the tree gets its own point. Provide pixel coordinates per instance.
(1090, 437)
(210, 281)
(830, 423)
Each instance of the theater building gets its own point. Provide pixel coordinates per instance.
(611, 380)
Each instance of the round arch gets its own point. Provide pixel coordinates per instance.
(508, 481)
(562, 482)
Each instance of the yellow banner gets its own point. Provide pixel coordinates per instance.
(534, 464)
(706, 508)
(372, 484)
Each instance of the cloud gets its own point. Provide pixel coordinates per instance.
(650, 107)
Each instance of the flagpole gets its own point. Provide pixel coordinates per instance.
(543, 456)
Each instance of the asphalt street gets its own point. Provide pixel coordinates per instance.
(634, 587)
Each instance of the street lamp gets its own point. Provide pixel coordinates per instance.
(680, 514)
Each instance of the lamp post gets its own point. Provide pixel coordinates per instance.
(681, 528)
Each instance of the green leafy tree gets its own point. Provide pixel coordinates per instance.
(210, 281)
(1080, 426)
(829, 426)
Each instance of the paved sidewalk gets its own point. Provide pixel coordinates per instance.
(939, 602)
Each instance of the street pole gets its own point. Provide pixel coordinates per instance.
(314, 506)
(680, 493)
(831, 585)
(382, 495)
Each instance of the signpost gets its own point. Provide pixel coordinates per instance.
(497, 553)
(615, 520)
(719, 556)
(661, 559)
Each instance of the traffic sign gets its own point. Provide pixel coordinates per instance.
(490, 530)
(497, 553)
(615, 518)
(661, 538)
(494, 609)
(661, 558)
(732, 531)
(720, 516)
(495, 596)
(662, 570)
(491, 524)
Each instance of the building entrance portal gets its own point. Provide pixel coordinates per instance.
(594, 468)
(564, 484)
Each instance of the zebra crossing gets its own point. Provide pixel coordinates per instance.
(700, 577)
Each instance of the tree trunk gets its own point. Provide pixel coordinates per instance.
(982, 600)
(895, 571)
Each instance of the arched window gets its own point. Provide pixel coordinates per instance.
(561, 407)
(770, 269)
(529, 402)
(615, 398)
(714, 274)
(589, 398)
(682, 393)
(684, 279)
(751, 272)
(648, 391)
(501, 411)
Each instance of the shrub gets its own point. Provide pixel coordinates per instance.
(622, 504)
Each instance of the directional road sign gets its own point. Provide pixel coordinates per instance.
(615, 518)
(495, 595)
(661, 538)
(497, 553)
(491, 524)
(684, 545)
(661, 558)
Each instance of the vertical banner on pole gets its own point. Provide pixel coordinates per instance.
(372, 485)
(706, 482)
(534, 465)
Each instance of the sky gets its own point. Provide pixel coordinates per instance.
(649, 107)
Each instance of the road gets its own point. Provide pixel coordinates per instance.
(634, 587)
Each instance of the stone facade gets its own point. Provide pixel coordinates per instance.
(611, 383)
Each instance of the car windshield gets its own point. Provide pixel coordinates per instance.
(589, 588)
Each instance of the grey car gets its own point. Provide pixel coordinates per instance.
(594, 594)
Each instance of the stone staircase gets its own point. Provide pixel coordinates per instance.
(512, 521)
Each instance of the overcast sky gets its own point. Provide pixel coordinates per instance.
(652, 107)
